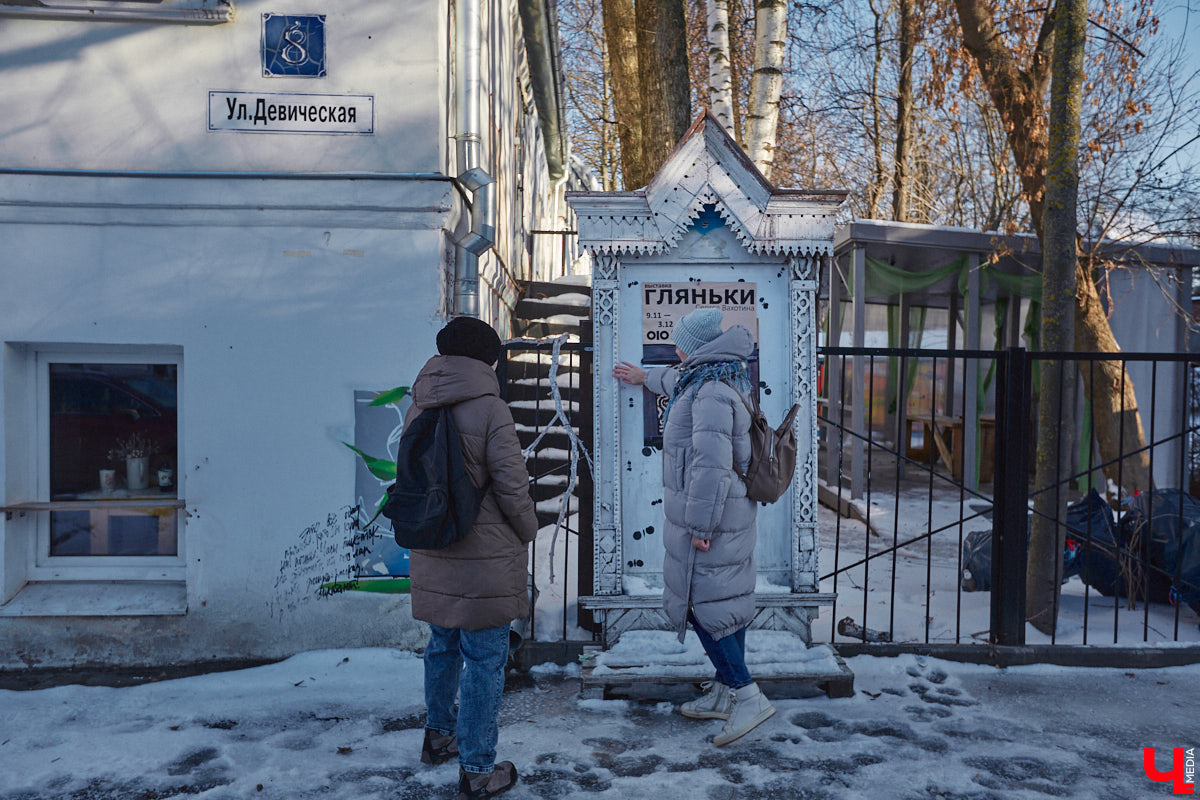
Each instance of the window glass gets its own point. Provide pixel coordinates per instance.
(113, 437)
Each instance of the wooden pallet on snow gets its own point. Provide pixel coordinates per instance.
(653, 664)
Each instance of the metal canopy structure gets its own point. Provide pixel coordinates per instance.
(963, 270)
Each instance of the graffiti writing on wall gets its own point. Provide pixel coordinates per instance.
(322, 562)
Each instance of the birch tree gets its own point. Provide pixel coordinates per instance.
(766, 84)
(720, 75)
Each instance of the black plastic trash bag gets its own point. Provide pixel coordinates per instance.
(1090, 545)
(1092, 537)
(1171, 519)
(977, 562)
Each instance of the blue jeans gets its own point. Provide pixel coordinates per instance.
(479, 657)
(728, 655)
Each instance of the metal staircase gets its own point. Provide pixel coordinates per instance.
(550, 316)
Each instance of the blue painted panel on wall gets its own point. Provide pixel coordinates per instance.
(293, 45)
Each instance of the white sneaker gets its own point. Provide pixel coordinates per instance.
(715, 703)
(751, 708)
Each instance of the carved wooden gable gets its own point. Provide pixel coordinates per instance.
(707, 168)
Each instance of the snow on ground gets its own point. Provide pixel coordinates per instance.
(927, 575)
(578, 279)
(554, 566)
(347, 724)
(565, 299)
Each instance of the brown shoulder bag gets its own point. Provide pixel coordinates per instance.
(772, 454)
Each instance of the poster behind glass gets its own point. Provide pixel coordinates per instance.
(663, 304)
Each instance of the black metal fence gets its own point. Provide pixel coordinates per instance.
(929, 544)
(547, 385)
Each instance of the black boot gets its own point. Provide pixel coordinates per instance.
(438, 748)
(476, 786)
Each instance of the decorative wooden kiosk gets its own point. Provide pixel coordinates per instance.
(709, 230)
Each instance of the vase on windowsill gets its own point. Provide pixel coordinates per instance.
(137, 473)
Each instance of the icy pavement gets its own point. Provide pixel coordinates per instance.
(347, 724)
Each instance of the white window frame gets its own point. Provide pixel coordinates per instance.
(41, 565)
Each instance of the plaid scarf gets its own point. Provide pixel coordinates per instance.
(735, 373)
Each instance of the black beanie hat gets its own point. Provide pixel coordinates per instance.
(467, 336)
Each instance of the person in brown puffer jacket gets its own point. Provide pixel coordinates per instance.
(471, 591)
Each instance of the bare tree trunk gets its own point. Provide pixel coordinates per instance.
(673, 42)
(610, 150)
(875, 190)
(1018, 96)
(1059, 262)
(720, 77)
(1115, 415)
(666, 90)
(770, 47)
(904, 103)
(620, 34)
(737, 70)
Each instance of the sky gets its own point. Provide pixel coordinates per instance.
(336, 724)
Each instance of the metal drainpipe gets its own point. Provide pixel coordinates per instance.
(469, 91)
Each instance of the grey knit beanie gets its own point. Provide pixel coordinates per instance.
(696, 329)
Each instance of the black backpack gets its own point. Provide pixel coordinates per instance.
(433, 502)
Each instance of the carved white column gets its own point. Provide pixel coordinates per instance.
(606, 563)
(803, 284)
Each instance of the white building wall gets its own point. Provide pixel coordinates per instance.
(134, 96)
(289, 271)
(280, 317)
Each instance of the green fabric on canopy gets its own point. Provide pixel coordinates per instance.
(914, 341)
(1021, 285)
(884, 279)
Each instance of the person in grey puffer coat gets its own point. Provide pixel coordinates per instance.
(472, 590)
(710, 533)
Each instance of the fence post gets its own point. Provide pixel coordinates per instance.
(586, 552)
(1010, 499)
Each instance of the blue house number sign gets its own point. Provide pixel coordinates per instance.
(293, 45)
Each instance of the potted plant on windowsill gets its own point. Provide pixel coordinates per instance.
(135, 451)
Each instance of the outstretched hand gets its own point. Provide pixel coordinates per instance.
(629, 373)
